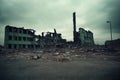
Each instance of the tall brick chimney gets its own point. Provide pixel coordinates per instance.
(74, 26)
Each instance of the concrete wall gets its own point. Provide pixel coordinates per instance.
(86, 37)
(17, 38)
(51, 39)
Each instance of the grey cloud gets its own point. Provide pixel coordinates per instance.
(114, 14)
(11, 10)
(43, 15)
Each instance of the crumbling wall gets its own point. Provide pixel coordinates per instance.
(82, 37)
(51, 39)
(86, 37)
(18, 38)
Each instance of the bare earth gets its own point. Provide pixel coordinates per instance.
(74, 64)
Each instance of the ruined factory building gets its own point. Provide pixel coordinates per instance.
(82, 37)
(18, 38)
(51, 39)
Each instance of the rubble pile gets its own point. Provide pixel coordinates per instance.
(61, 54)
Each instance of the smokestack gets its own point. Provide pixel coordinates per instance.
(42, 34)
(74, 21)
(74, 26)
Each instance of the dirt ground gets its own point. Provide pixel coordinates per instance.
(71, 64)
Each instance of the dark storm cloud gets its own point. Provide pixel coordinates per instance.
(114, 14)
(12, 10)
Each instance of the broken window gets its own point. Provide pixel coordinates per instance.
(24, 38)
(10, 29)
(15, 37)
(24, 46)
(29, 32)
(15, 46)
(19, 38)
(20, 31)
(20, 46)
(24, 31)
(30, 39)
(9, 46)
(9, 37)
(15, 30)
(29, 46)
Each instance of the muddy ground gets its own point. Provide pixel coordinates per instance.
(60, 64)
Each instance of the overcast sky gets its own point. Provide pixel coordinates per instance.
(45, 15)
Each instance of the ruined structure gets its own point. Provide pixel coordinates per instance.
(82, 37)
(114, 43)
(75, 38)
(85, 37)
(51, 39)
(19, 38)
